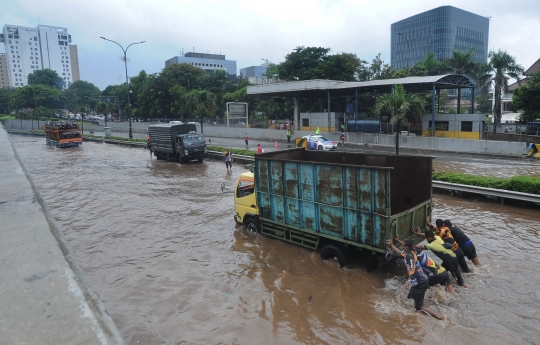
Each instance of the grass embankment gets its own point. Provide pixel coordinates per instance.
(523, 184)
(115, 138)
(7, 117)
(242, 152)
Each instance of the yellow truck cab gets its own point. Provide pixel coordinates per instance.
(245, 202)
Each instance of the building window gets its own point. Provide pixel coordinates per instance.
(305, 122)
(466, 126)
(440, 125)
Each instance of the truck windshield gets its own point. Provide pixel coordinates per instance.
(192, 139)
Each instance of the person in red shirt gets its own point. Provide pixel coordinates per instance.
(259, 148)
(246, 140)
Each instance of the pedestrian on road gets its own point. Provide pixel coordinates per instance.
(318, 131)
(448, 257)
(445, 234)
(246, 140)
(228, 159)
(342, 140)
(259, 148)
(418, 281)
(464, 242)
(288, 135)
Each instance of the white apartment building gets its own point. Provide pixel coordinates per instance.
(29, 49)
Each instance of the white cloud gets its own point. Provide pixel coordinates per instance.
(249, 30)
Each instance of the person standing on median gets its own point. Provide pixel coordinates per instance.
(318, 131)
(246, 140)
(289, 135)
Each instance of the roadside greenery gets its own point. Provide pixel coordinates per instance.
(242, 152)
(523, 184)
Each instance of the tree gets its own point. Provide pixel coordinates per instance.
(503, 67)
(5, 98)
(461, 63)
(429, 65)
(82, 93)
(201, 102)
(377, 70)
(405, 108)
(46, 77)
(30, 96)
(527, 98)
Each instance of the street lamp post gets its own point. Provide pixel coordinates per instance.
(127, 80)
(409, 48)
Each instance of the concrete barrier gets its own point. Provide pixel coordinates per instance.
(490, 147)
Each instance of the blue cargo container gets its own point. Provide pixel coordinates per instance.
(364, 125)
(344, 203)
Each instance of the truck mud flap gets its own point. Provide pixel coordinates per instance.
(288, 234)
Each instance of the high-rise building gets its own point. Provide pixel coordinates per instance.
(440, 31)
(74, 57)
(254, 71)
(208, 62)
(3, 71)
(30, 49)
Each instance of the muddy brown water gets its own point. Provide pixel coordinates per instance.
(159, 245)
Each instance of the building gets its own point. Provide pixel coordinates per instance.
(3, 71)
(254, 71)
(208, 62)
(507, 112)
(30, 49)
(440, 31)
(74, 56)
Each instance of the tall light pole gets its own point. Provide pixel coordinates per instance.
(127, 80)
(409, 48)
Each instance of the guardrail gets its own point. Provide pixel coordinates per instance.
(499, 193)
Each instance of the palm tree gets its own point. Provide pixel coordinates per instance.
(406, 108)
(462, 63)
(502, 67)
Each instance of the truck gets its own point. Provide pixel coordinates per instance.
(344, 204)
(62, 134)
(178, 142)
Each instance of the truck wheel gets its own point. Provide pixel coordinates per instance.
(370, 260)
(252, 225)
(200, 160)
(338, 251)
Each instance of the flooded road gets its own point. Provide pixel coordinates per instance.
(159, 245)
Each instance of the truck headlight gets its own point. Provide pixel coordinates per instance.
(186, 152)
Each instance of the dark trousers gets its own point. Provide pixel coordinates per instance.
(288, 138)
(461, 260)
(452, 266)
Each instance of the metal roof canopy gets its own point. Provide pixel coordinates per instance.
(319, 88)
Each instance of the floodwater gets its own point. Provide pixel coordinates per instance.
(158, 242)
(488, 166)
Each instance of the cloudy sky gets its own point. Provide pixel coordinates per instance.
(250, 30)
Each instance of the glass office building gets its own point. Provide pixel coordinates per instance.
(441, 31)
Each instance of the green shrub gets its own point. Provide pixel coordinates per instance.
(55, 119)
(523, 184)
(242, 152)
(43, 118)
